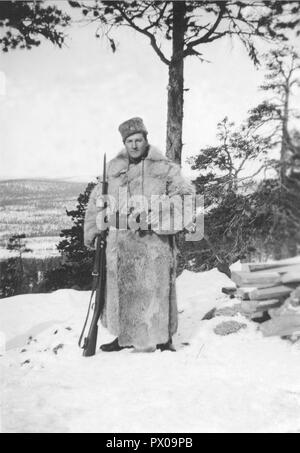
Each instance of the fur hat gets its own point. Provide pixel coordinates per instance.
(132, 126)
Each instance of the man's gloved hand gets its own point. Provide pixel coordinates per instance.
(101, 236)
(91, 245)
(104, 211)
(100, 203)
(137, 221)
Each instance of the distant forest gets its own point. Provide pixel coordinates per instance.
(36, 207)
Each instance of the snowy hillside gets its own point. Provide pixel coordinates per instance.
(36, 207)
(41, 248)
(238, 383)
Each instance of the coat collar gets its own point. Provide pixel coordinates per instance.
(153, 154)
(121, 161)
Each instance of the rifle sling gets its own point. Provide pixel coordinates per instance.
(94, 287)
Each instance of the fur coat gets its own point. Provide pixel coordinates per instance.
(140, 307)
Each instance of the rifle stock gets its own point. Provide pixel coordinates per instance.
(90, 342)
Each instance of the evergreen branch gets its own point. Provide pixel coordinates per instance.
(143, 31)
(157, 21)
(206, 36)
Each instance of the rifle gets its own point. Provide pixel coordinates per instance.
(98, 286)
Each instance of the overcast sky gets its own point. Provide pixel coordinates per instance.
(60, 108)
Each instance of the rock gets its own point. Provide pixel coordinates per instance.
(292, 338)
(209, 315)
(228, 327)
(228, 311)
(57, 348)
(25, 363)
(282, 325)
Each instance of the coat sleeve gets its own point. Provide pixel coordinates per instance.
(90, 229)
(177, 187)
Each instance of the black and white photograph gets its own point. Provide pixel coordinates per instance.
(149, 219)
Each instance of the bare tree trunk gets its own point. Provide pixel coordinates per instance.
(175, 86)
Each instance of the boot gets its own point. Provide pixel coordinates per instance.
(113, 346)
(168, 346)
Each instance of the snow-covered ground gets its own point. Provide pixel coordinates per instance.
(238, 383)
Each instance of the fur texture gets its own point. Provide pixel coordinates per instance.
(141, 307)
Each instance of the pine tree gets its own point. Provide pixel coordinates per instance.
(25, 22)
(178, 30)
(13, 278)
(282, 207)
(77, 262)
(262, 216)
(227, 188)
(222, 166)
(282, 76)
(10, 278)
(295, 157)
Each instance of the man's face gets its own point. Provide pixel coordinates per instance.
(136, 145)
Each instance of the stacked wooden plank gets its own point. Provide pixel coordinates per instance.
(271, 289)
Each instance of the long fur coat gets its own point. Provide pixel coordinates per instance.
(140, 307)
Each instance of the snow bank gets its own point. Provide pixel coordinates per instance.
(239, 383)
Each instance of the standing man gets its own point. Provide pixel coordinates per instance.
(140, 307)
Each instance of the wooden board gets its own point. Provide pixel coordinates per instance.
(268, 304)
(252, 306)
(260, 316)
(275, 292)
(230, 290)
(254, 267)
(243, 293)
(261, 279)
(290, 277)
(281, 270)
